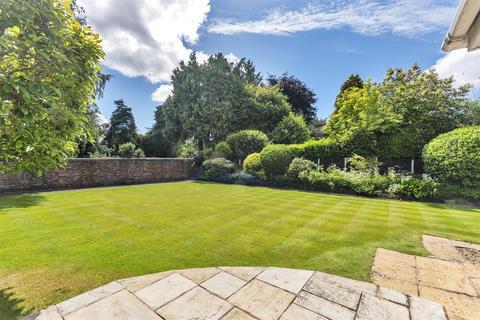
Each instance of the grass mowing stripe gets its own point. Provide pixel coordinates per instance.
(56, 245)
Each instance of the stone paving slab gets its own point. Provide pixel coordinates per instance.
(122, 305)
(223, 284)
(198, 303)
(89, 297)
(445, 277)
(243, 293)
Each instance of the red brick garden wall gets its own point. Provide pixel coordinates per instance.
(81, 173)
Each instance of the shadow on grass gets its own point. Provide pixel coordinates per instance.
(10, 306)
(22, 201)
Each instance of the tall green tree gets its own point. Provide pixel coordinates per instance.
(397, 117)
(247, 71)
(361, 118)
(353, 81)
(122, 126)
(429, 105)
(155, 142)
(48, 69)
(208, 100)
(299, 95)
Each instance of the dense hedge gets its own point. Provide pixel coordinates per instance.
(454, 157)
(323, 148)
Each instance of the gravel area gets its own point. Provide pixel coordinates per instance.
(471, 255)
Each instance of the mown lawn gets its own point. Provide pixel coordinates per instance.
(56, 245)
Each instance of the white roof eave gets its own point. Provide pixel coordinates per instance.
(465, 29)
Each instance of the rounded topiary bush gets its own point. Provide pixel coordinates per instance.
(245, 142)
(252, 163)
(454, 157)
(275, 159)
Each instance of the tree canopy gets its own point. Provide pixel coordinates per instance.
(299, 95)
(213, 99)
(122, 126)
(50, 64)
(353, 81)
(398, 116)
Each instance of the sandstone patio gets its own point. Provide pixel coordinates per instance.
(450, 276)
(243, 293)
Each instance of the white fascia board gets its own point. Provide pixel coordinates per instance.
(464, 31)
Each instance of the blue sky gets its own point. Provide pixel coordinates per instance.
(320, 42)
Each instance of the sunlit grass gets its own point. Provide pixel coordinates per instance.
(56, 245)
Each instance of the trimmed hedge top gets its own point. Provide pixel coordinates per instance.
(454, 157)
(322, 148)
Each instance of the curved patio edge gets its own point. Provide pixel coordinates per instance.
(243, 293)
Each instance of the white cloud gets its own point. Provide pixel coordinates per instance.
(232, 58)
(101, 119)
(462, 65)
(146, 37)
(404, 17)
(162, 92)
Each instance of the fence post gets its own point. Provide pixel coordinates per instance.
(345, 164)
(318, 164)
(412, 166)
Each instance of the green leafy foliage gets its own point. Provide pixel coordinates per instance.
(48, 70)
(370, 184)
(361, 117)
(223, 150)
(315, 128)
(397, 117)
(155, 142)
(275, 159)
(353, 81)
(299, 165)
(455, 191)
(322, 148)
(363, 164)
(245, 142)
(102, 151)
(292, 129)
(129, 150)
(411, 187)
(216, 167)
(188, 149)
(209, 100)
(122, 126)
(454, 157)
(253, 165)
(268, 106)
